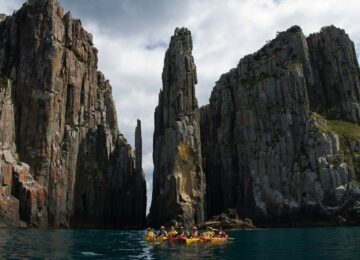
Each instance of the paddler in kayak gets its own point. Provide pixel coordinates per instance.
(162, 232)
(221, 233)
(182, 232)
(209, 232)
(194, 232)
(172, 232)
(149, 235)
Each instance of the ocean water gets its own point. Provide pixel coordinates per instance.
(290, 243)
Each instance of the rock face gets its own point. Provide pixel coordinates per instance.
(228, 220)
(139, 184)
(62, 153)
(265, 152)
(179, 181)
(335, 88)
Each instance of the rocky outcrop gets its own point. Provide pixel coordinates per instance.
(71, 166)
(265, 152)
(9, 205)
(178, 181)
(228, 220)
(20, 196)
(335, 90)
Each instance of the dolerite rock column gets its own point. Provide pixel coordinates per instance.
(178, 181)
(265, 152)
(140, 198)
(336, 88)
(65, 124)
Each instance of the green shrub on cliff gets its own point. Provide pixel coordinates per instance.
(348, 133)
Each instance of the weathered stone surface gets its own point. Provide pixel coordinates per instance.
(9, 211)
(263, 151)
(20, 195)
(178, 182)
(335, 91)
(228, 220)
(64, 124)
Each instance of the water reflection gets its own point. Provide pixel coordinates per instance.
(24, 243)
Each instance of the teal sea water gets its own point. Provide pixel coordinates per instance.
(291, 243)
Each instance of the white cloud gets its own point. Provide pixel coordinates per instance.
(9, 6)
(131, 37)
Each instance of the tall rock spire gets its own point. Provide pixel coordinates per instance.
(138, 146)
(140, 183)
(179, 186)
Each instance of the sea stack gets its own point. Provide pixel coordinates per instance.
(139, 197)
(64, 162)
(178, 181)
(281, 135)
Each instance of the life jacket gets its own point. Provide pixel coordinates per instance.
(183, 234)
(172, 233)
(150, 235)
(194, 233)
(162, 233)
(208, 234)
(222, 234)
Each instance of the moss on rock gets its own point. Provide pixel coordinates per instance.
(348, 133)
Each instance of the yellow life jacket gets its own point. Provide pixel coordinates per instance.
(150, 235)
(208, 234)
(172, 233)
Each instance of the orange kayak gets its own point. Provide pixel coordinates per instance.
(219, 239)
(205, 239)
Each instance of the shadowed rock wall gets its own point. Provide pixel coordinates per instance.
(65, 123)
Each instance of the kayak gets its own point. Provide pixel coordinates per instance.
(205, 239)
(192, 240)
(159, 239)
(150, 239)
(177, 239)
(219, 239)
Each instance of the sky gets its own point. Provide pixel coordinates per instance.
(132, 37)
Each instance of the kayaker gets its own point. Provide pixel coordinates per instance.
(222, 233)
(172, 232)
(162, 232)
(194, 232)
(209, 232)
(182, 232)
(149, 235)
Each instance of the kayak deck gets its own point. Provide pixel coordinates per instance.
(159, 239)
(192, 240)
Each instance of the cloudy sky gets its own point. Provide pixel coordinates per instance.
(132, 36)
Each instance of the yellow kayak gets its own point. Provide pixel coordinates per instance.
(159, 239)
(192, 240)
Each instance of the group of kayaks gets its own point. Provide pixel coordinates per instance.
(186, 236)
(188, 240)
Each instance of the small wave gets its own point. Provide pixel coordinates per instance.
(90, 254)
